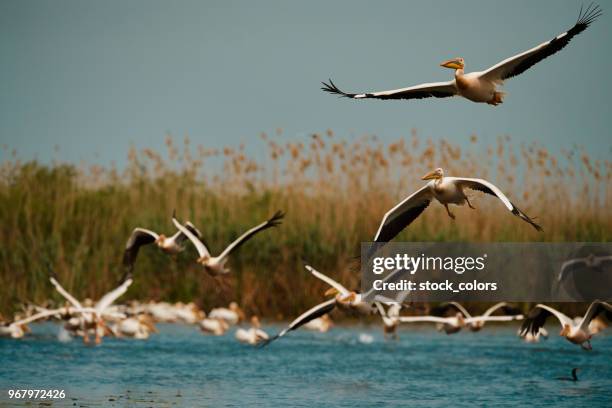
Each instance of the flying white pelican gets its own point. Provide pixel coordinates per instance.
(447, 190)
(450, 324)
(343, 298)
(94, 320)
(232, 314)
(215, 265)
(476, 323)
(171, 245)
(390, 317)
(575, 332)
(481, 86)
(590, 261)
(597, 324)
(254, 335)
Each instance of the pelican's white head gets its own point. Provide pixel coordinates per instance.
(455, 63)
(347, 299)
(437, 174)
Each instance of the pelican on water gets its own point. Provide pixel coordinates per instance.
(171, 245)
(575, 332)
(215, 265)
(447, 190)
(481, 86)
(232, 314)
(253, 335)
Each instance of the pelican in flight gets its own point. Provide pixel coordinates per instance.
(215, 265)
(343, 299)
(447, 190)
(454, 323)
(170, 245)
(575, 332)
(94, 318)
(590, 261)
(476, 323)
(391, 316)
(481, 86)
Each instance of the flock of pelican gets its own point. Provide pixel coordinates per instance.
(137, 320)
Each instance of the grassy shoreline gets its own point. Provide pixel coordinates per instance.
(333, 191)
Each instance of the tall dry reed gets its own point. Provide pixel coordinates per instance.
(334, 192)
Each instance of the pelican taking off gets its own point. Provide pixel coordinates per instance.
(447, 190)
(574, 332)
(481, 86)
(343, 298)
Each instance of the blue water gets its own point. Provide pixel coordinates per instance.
(181, 367)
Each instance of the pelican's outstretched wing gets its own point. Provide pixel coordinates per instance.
(537, 317)
(71, 299)
(113, 295)
(311, 314)
(441, 309)
(595, 308)
(400, 216)
(427, 319)
(489, 188)
(200, 247)
(272, 222)
(518, 64)
(179, 237)
(341, 289)
(493, 308)
(139, 237)
(435, 90)
(493, 318)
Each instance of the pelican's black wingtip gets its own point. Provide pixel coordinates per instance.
(588, 15)
(332, 88)
(276, 219)
(266, 342)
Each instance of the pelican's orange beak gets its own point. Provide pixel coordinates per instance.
(455, 63)
(331, 292)
(431, 175)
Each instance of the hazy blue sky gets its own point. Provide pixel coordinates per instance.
(95, 77)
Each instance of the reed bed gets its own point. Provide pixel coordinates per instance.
(334, 191)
